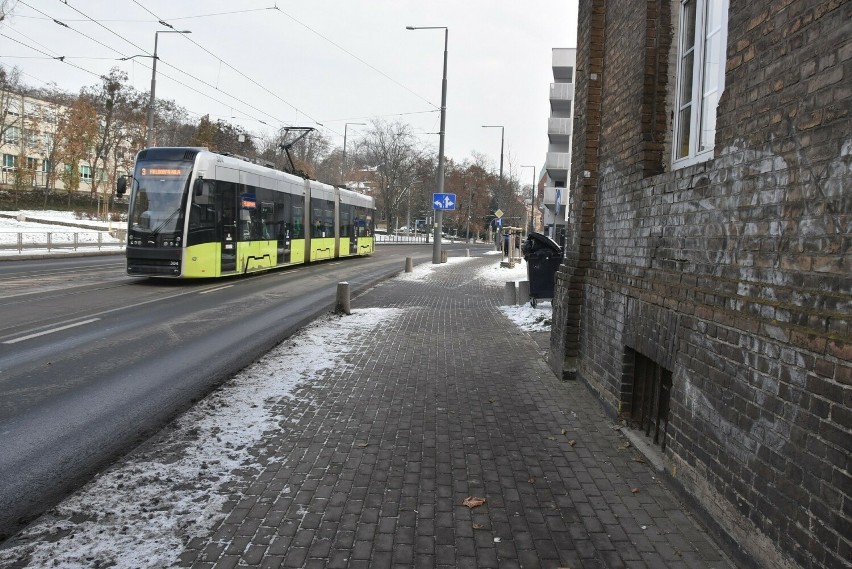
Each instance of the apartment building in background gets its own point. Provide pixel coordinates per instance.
(555, 201)
(28, 147)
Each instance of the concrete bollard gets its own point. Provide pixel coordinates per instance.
(409, 264)
(342, 305)
(443, 256)
(523, 292)
(467, 252)
(510, 295)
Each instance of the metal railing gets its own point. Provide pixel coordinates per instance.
(57, 240)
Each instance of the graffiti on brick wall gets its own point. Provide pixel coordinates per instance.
(725, 418)
(802, 206)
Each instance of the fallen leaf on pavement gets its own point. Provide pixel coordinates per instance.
(572, 442)
(478, 526)
(635, 490)
(473, 502)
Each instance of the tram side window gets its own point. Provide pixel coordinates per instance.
(251, 224)
(363, 222)
(317, 227)
(298, 217)
(269, 208)
(329, 222)
(283, 217)
(202, 216)
(268, 226)
(346, 221)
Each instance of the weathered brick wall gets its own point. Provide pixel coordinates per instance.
(735, 274)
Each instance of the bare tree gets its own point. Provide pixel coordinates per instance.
(471, 182)
(10, 90)
(174, 128)
(108, 98)
(6, 8)
(76, 132)
(395, 153)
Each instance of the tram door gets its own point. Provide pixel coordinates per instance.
(227, 213)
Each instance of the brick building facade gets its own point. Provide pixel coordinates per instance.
(705, 294)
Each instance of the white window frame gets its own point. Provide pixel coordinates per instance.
(12, 135)
(693, 141)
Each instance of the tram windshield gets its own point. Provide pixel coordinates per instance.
(158, 202)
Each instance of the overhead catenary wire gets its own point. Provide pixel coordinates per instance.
(125, 57)
(338, 46)
(292, 106)
(321, 123)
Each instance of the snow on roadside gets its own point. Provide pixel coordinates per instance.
(531, 319)
(141, 512)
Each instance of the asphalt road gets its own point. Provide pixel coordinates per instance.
(92, 362)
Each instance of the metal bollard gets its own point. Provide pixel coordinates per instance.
(443, 256)
(409, 264)
(342, 305)
(523, 292)
(510, 296)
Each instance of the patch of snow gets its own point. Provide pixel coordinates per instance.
(33, 235)
(531, 319)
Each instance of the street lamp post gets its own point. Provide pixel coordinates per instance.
(532, 200)
(343, 161)
(436, 248)
(149, 136)
(469, 204)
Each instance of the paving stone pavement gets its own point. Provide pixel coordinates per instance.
(450, 400)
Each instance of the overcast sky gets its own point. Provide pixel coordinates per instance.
(289, 62)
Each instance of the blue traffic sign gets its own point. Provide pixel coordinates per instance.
(443, 201)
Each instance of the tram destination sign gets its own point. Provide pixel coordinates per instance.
(154, 171)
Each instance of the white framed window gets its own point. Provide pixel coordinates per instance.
(12, 135)
(10, 161)
(85, 172)
(31, 137)
(702, 43)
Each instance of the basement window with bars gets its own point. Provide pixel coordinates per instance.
(648, 390)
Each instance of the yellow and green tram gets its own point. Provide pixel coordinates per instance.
(199, 214)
